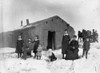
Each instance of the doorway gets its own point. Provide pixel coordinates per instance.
(51, 40)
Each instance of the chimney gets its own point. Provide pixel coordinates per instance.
(21, 23)
(27, 21)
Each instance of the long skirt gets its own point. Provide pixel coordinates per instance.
(72, 55)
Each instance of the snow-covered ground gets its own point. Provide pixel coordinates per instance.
(9, 63)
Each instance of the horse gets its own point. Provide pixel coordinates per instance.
(80, 36)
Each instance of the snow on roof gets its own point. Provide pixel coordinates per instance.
(37, 23)
(34, 24)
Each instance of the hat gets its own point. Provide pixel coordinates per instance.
(65, 29)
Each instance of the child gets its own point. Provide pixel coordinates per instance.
(27, 49)
(86, 47)
(36, 44)
(39, 52)
(29, 46)
(51, 56)
(19, 46)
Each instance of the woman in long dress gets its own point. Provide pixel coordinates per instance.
(73, 49)
(65, 44)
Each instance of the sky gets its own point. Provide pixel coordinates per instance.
(78, 13)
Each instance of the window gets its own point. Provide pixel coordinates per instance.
(52, 20)
(46, 22)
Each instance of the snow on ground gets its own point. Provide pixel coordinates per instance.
(9, 63)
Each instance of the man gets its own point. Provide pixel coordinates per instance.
(65, 43)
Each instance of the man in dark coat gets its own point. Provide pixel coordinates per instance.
(86, 47)
(65, 44)
(73, 49)
(19, 46)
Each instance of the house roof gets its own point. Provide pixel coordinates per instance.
(34, 24)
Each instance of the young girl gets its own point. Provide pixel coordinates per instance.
(36, 44)
(39, 52)
(19, 46)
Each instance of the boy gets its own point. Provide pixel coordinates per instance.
(86, 47)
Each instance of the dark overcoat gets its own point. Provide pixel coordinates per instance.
(19, 46)
(73, 50)
(36, 44)
(65, 43)
(86, 45)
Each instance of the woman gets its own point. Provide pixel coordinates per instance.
(19, 46)
(65, 43)
(73, 49)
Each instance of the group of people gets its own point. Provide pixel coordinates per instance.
(92, 35)
(25, 49)
(70, 47)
